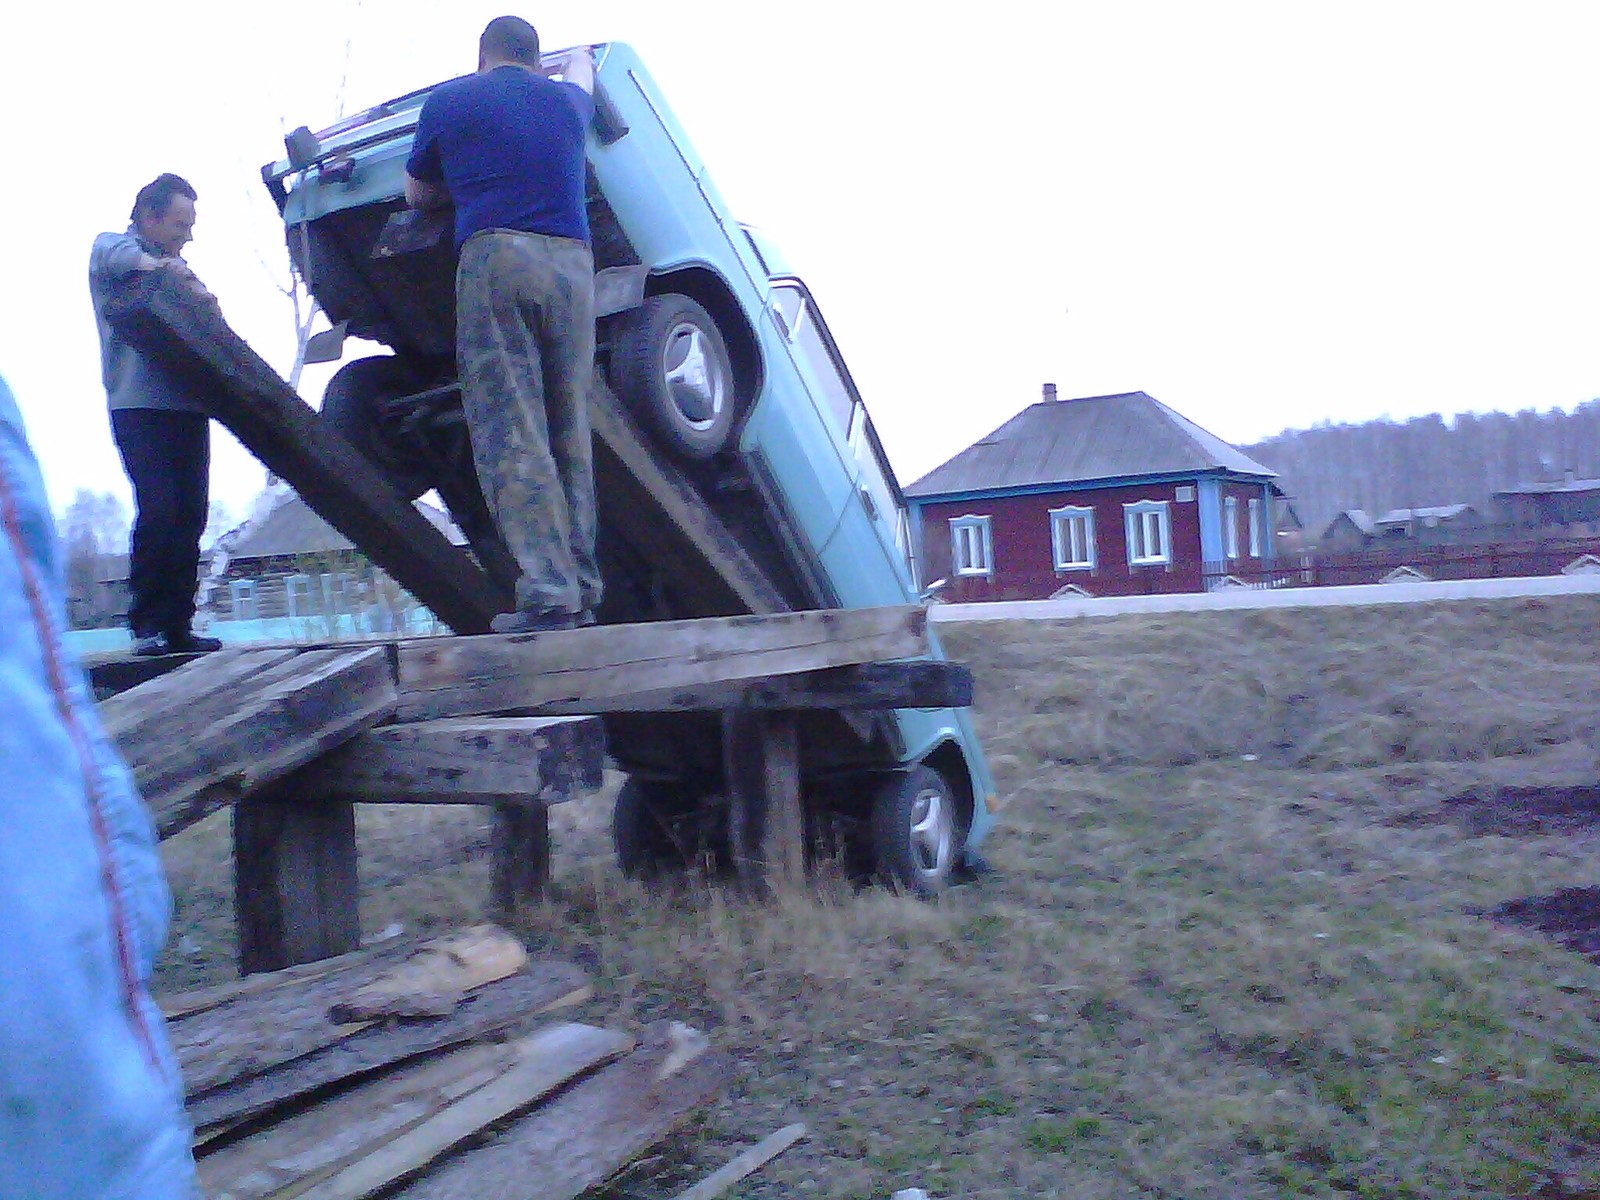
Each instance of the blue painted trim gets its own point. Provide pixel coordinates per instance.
(1086, 485)
(1208, 495)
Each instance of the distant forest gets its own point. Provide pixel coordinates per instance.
(1427, 461)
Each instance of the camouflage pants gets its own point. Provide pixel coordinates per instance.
(525, 348)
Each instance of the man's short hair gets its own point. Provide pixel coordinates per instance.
(510, 38)
(155, 197)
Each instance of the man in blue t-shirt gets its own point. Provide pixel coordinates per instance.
(506, 147)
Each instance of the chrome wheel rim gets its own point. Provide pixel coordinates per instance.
(694, 376)
(932, 834)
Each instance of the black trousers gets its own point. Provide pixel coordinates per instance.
(168, 459)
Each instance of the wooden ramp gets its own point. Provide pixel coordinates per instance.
(387, 1067)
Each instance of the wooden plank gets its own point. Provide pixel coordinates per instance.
(766, 824)
(191, 340)
(312, 704)
(473, 760)
(364, 1140)
(763, 1152)
(544, 987)
(593, 1129)
(876, 686)
(465, 676)
(436, 978)
(177, 1005)
(285, 1016)
(111, 673)
(646, 501)
(129, 716)
(296, 894)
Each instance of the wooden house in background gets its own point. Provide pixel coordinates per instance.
(290, 563)
(1104, 496)
(1568, 507)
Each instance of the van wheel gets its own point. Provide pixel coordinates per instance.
(657, 830)
(352, 405)
(914, 832)
(670, 364)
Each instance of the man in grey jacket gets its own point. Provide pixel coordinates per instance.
(160, 428)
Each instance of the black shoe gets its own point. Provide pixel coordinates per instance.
(152, 645)
(520, 621)
(192, 643)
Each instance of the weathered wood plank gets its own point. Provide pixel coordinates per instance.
(474, 760)
(364, 1140)
(545, 987)
(431, 982)
(177, 1005)
(110, 673)
(766, 824)
(647, 502)
(273, 724)
(190, 339)
(465, 676)
(296, 894)
(593, 1129)
(875, 686)
(763, 1152)
(127, 717)
(521, 857)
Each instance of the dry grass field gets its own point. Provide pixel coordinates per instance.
(1257, 926)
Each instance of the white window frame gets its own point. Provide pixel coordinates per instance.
(1072, 553)
(1230, 526)
(242, 597)
(1257, 528)
(971, 550)
(297, 594)
(1140, 519)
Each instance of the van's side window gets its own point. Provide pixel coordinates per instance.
(794, 311)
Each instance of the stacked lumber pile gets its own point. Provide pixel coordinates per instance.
(433, 1067)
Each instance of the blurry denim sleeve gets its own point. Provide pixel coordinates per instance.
(91, 1106)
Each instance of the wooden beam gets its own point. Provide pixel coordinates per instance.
(920, 683)
(252, 730)
(520, 869)
(766, 823)
(189, 338)
(463, 761)
(295, 889)
(464, 676)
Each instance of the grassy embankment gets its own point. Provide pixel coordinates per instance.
(1229, 948)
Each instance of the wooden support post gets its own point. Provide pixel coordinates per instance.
(766, 823)
(521, 843)
(295, 886)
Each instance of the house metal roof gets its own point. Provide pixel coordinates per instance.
(1356, 516)
(1548, 488)
(292, 528)
(1079, 441)
(1440, 512)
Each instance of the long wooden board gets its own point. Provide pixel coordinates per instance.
(592, 1130)
(473, 760)
(467, 676)
(205, 747)
(190, 339)
(363, 1140)
(544, 987)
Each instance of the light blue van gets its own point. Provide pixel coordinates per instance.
(718, 350)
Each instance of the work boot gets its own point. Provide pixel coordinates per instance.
(190, 642)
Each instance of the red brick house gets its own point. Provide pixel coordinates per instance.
(1105, 496)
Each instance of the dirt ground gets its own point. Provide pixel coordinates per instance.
(1298, 904)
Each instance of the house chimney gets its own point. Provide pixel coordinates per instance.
(1049, 393)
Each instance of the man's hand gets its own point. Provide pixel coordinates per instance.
(426, 196)
(191, 282)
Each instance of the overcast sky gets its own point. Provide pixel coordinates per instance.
(1265, 214)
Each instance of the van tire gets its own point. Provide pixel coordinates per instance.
(657, 831)
(916, 838)
(352, 405)
(670, 365)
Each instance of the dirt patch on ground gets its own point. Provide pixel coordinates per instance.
(1570, 916)
(1526, 811)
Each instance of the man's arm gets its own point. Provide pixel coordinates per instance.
(579, 69)
(424, 195)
